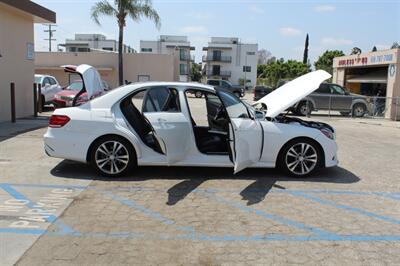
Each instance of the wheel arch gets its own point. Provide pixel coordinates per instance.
(359, 101)
(319, 146)
(89, 151)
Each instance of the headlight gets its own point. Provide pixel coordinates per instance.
(328, 133)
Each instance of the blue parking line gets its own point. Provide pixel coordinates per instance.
(43, 186)
(272, 217)
(345, 207)
(22, 231)
(152, 214)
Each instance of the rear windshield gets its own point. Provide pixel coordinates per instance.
(75, 86)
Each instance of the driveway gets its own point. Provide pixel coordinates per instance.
(59, 212)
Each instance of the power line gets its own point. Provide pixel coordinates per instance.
(50, 31)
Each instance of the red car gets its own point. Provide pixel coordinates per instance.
(80, 91)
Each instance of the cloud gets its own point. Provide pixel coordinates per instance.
(329, 41)
(289, 31)
(194, 29)
(324, 8)
(256, 9)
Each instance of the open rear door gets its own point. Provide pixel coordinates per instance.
(245, 134)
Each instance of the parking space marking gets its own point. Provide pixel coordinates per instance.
(150, 213)
(344, 207)
(189, 233)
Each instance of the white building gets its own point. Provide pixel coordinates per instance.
(93, 42)
(229, 59)
(173, 45)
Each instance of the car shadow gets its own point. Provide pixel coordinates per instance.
(193, 177)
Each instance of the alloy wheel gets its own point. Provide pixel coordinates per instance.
(359, 111)
(301, 158)
(112, 157)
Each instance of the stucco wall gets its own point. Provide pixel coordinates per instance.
(16, 30)
(158, 67)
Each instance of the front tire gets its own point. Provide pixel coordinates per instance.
(300, 158)
(304, 109)
(359, 110)
(113, 156)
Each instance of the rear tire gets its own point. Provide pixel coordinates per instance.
(304, 109)
(359, 110)
(113, 156)
(300, 157)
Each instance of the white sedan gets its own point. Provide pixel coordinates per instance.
(160, 123)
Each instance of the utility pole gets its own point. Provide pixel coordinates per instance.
(50, 31)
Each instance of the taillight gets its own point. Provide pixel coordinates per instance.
(57, 121)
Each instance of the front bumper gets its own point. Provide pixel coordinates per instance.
(330, 150)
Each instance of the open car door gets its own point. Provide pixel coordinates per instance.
(245, 134)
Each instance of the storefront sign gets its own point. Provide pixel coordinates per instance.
(381, 58)
(354, 61)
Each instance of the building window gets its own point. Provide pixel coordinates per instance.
(83, 50)
(146, 50)
(246, 68)
(182, 69)
(108, 48)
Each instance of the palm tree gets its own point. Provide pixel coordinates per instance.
(136, 9)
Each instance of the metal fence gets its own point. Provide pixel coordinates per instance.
(349, 106)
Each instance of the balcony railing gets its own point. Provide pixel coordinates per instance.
(218, 73)
(222, 58)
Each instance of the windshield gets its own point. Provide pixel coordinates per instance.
(75, 86)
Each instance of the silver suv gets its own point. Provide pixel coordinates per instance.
(332, 97)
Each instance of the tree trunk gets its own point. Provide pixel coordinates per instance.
(120, 55)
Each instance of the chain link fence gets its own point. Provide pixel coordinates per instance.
(349, 106)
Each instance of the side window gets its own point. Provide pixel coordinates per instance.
(45, 81)
(213, 82)
(225, 84)
(138, 98)
(234, 107)
(52, 81)
(337, 90)
(161, 99)
(323, 88)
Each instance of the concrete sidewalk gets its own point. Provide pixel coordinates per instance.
(23, 125)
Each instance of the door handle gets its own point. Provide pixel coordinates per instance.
(161, 120)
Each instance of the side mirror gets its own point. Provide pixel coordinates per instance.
(346, 93)
(261, 107)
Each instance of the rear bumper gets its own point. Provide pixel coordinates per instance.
(66, 145)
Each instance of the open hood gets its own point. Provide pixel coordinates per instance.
(292, 92)
(91, 78)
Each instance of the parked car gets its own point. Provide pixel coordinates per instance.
(260, 91)
(49, 87)
(76, 93)
(332, 97)
(154, 124)
(224, 84)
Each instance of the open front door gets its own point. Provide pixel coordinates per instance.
(245, 134)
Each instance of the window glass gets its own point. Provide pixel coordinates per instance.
(52, 81)
(182, 69)
(45, 81)
(323, 88)
(162, 99)
(337, 90)
(137, 99)
(37, 79)
(234, 107)
(225, 84)
(213, 82)
(75, 86)
(246, 68)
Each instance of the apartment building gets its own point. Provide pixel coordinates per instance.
(230, 59)
(179, 46)
(93, 42)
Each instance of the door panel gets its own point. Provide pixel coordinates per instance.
(247, 142)
(174, 130)
(340, 101)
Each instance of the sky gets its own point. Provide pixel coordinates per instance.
(277, 26)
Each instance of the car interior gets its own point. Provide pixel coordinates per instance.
(210, 126)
